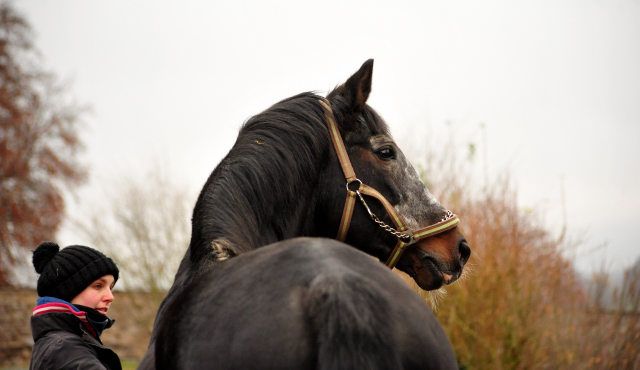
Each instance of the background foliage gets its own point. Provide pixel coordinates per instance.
(146, 229)
(38, 145)
(522, 305)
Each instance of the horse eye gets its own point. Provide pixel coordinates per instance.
(386, 154)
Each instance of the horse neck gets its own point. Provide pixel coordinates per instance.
(262, 192)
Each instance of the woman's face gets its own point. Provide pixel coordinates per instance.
(97, 295)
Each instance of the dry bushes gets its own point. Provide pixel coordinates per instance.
(523, 306)
(516, 309)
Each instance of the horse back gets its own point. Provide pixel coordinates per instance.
(301, 304)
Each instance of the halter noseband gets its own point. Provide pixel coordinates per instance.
(405, 235)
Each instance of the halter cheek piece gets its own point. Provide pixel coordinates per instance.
(405, 235)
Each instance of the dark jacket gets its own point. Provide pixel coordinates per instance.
(64, 339)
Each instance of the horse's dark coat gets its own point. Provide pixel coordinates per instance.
(282, 180)
(301, 304)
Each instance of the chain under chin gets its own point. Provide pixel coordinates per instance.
(396, 233)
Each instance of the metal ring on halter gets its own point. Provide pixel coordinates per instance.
(349, 183)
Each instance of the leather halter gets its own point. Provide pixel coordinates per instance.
(405, 235)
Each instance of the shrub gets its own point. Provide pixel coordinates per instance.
(522, 305)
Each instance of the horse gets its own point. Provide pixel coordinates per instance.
(303, 303)
(285, 177)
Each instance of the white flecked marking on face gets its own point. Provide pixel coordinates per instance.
(417, 206)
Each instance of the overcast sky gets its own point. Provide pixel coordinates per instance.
(556, 82)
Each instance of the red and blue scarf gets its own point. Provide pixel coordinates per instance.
(55, 305)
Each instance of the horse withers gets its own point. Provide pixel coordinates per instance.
(304, 303)
(283, 178)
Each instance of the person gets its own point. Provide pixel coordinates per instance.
(74, 295)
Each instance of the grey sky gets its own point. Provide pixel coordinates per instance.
(557, 84)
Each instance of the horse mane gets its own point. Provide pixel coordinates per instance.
(253, 196)
(276, 155)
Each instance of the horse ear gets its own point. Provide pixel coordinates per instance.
(357, 88)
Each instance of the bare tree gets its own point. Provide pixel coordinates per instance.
(146, 229)
(38, 145)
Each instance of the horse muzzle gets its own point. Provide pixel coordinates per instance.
(437, 260)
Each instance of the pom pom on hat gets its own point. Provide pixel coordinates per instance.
(44, 254)
(64, 273)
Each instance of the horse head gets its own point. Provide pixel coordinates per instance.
(378, 162)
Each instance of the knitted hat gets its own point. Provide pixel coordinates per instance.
(67, 272)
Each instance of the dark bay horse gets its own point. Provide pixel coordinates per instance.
(304, 303)
(283, 179)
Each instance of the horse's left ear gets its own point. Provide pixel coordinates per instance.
(357, 88)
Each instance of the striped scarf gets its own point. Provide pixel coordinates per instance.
(55, 305)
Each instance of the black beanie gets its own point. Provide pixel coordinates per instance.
(67, 272)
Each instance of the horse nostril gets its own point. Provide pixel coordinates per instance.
(464, 251)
